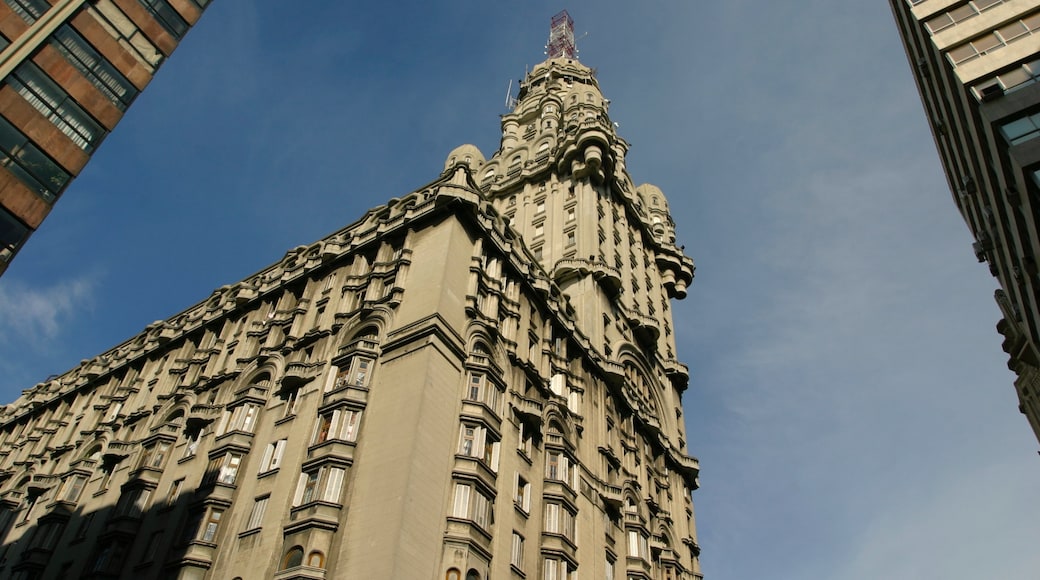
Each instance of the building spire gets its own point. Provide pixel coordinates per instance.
(561, 37)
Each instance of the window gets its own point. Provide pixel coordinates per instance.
(539, 206)
(571, 213)
(109, 559)
(46, 535)
(12, 233)
(56, 105)
(558, 569)
(29, 164)
(133, 502)
(73, 487)
(165, 14)
(154, 455)
(994, 40)
(211, 524)
(1021, 130)
(241, 418)
(290, 397)
(522, 493)
(476, 441)
(610, 568)
(558, 468)
(29, 10)
(481, 390)
(272, 458)
(174, 491)
(316, 559)
(471, 504)
(192, 437)
(516, 554)
(355, 373)
(223, 468)
(95, 67)
(524, 439)
(338, 425)
(637, 545)
(539, 229)
(256, 515)
(571, 238)
(319, 484)
(559, 520)
(152, 548)
(468, 443)
(84, 526)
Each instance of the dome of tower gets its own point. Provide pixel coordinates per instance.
(652, 196)
(467, 154)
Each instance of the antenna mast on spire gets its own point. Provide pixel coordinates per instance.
(561, 37)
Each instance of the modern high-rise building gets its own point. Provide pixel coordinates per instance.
(476, 380)
(977, 64)
(70, 69)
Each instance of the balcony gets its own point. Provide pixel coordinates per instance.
(468, 532)
(607, 276)
(317, 514)
(332, 449)
(559, 544)
(647, 329)
(678, 373)
(301, 573)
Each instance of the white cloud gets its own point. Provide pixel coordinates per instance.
(35, 315)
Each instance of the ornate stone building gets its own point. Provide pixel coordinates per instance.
(976, 64)
(475, 380)
(70, 70)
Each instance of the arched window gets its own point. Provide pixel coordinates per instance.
(316, 559)
(453, 574)
(472, 575)
(175, 416)
(93, 453)
(293, 558)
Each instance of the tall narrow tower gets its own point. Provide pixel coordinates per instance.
(475, 380)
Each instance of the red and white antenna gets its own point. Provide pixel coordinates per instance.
(561, 37)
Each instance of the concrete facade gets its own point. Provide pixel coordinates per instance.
(475, 380)
(70, 70)
(976, 64)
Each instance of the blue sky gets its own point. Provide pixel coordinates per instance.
(849, 401)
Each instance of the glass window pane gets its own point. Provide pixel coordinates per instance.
(12, 231)
(986, 43)
(962, 53)
(966, 11)
(1012, 31)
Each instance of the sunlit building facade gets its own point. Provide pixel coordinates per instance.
(977, 64)
(70, 69)
(475, 380)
